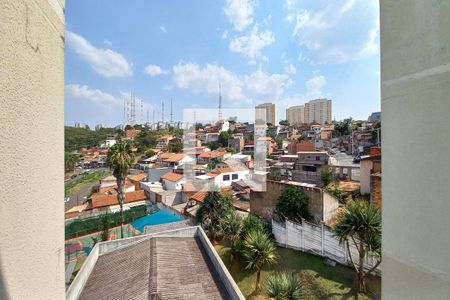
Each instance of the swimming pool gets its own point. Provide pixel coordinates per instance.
(159, 217)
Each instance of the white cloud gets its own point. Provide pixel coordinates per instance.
(240, 12)
(250, 45)
(106, 62)
(290, 6)
(94, 96)
(154, 70)
(289, 68)
(225, 35)
(163, 28)
(337, 31)
(314, 86)
(242, 89)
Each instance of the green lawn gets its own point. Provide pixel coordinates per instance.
(87, 178)
(318, 280)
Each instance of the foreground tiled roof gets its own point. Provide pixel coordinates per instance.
(175, 158)
(156, 268)
(102, 200)
(172, 176)
(212, 154)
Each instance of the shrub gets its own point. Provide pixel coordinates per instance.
(293, 204)
(326, 176)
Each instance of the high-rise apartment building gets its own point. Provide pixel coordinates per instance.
(318, 111)
(100, 126)
(81, 125)
(266, 112)
(296, 114)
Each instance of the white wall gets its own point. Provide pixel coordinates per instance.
(364, 176)
(415, 105)
(32, 126)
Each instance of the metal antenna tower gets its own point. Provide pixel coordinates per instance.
(148, 119)
(220, 101)
(132, 120)
(153, 116)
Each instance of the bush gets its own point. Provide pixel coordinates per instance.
(293, 204)
(326, 176)
(337, 192)
(85, 226)
(283, 286)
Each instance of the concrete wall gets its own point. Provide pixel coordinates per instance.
(321, 204)
(364, 176)
(415, 103)
(32, 127)
(319, 240)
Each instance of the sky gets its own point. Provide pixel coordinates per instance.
(282, 51)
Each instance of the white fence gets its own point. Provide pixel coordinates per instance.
(319, 240)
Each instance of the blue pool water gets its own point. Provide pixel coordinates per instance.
(159, 217)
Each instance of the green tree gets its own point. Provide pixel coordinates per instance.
(343, 127)
(150, 153)
(231, 227)
(120, 158)
(302, 137)
(279, 142)
(69, 161)
(327, 177)
(293, 204)
(284, 122)
(224, 136)
(212, 210)
(212, 145)
(176, 147)
(359, 222)
(259, 250)
(105, 225)
(285, 286)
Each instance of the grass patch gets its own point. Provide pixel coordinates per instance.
(85, 178)
(318, 280)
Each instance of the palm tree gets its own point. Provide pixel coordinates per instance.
(259, 250)
(360, 222)
(231, 227)
(212, 210)
(283, 286)
(120, 158)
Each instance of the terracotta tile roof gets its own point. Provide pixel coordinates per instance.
(166, 137)
(172, 177)
(199, 196)
(212, 154)
(212, 174)
(138, 177)
(175, 158)
(102, 200)
(166, 155)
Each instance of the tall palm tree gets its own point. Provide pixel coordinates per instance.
(259, 250)
(231, 227)
(359, 222)
(120, 158)
(284, 286)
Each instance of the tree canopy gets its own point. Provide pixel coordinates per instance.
(293, 204)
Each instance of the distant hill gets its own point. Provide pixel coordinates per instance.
(75, 138)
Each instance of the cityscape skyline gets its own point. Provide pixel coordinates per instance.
(258, 52)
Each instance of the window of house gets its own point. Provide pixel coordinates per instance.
(317, 157)
(309, 168)
(226, 177)
(234, 176)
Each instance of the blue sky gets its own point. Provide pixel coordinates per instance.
(285, 52)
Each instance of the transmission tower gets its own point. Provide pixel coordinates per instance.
(220, 102)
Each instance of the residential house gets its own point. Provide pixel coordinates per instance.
(109, 203)
(309, 165)
(131, 134)
(163, 141)
(305, 145)
(236, 143)
(212, 156)
(370, 175)
(172, 181)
